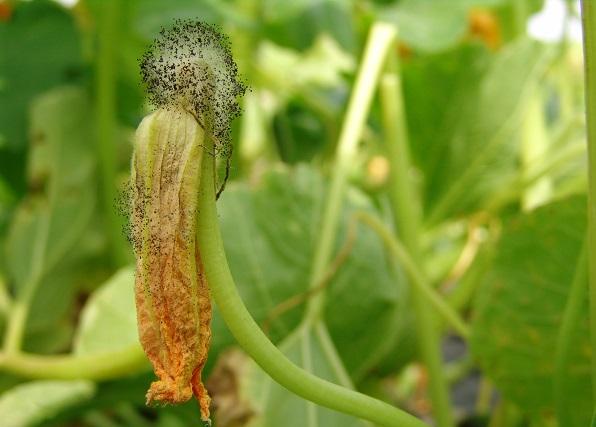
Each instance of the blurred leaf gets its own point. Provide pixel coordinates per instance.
(32, 402)
(284, 22)
(366, 312)
(269, 234)
(49, 222)
(467, 148)
(60, 168)
(299, 133)
(273, 405)
(8, 381)
(108, 320)
(55, 335)
(111, 394)
(305, 102)
(514, 15)
(321, 66)
(460, 72)
(151, 15)
(280, 9)
(169, 420)
(40, 49)
(429, 25)
(433, 25)
(520, 306)
(7, 200)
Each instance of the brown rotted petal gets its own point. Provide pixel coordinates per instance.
(172, 297)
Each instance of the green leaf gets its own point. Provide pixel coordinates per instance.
(514, 14)
(273, 405)
(283, 22)
(108, 320)
(467, 150)
(269, 234)
(321, 66)
(432, 26)
(305, 101)
(152, 15)
(279, 10)
(40, 49)
(41, 248)
(61, 165)
(429, 25)
(520, 306)
(36, 401)
(7, 201)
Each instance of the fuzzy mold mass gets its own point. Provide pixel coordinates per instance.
(191, 65)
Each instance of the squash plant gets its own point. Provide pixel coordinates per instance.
(399, 235)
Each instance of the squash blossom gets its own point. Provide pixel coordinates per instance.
(192, 80)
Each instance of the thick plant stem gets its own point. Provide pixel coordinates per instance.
(256, 343)
(589, 27)
(572, 317)
(379, 42)
(89, 367)
(407, 217)
(106, 126)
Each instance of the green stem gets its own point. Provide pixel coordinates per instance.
(589, 27)
(90, 367)
(416, 276)
(572, 317)
(333, 358)
(108, 26)
(17, 321)
(461, 296)
(19, 312)
(520, 184)
(534, 145)
(407, 217)
(5, 299)
(404, 200)
(256, 343)
(379, 42)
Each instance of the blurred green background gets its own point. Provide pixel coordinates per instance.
(496, 131)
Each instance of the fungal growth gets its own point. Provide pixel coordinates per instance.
(192, 80)
(190, 65)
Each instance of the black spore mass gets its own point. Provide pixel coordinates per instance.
(190, 65)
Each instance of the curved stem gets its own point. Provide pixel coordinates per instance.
(417, 277)
(256, 343)
(519, 184)
(108, 26)
(19, 312)
(572, 317)
(5, 299)
(407, 216)
(379, 42)
(589, 27)
(90, 367)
